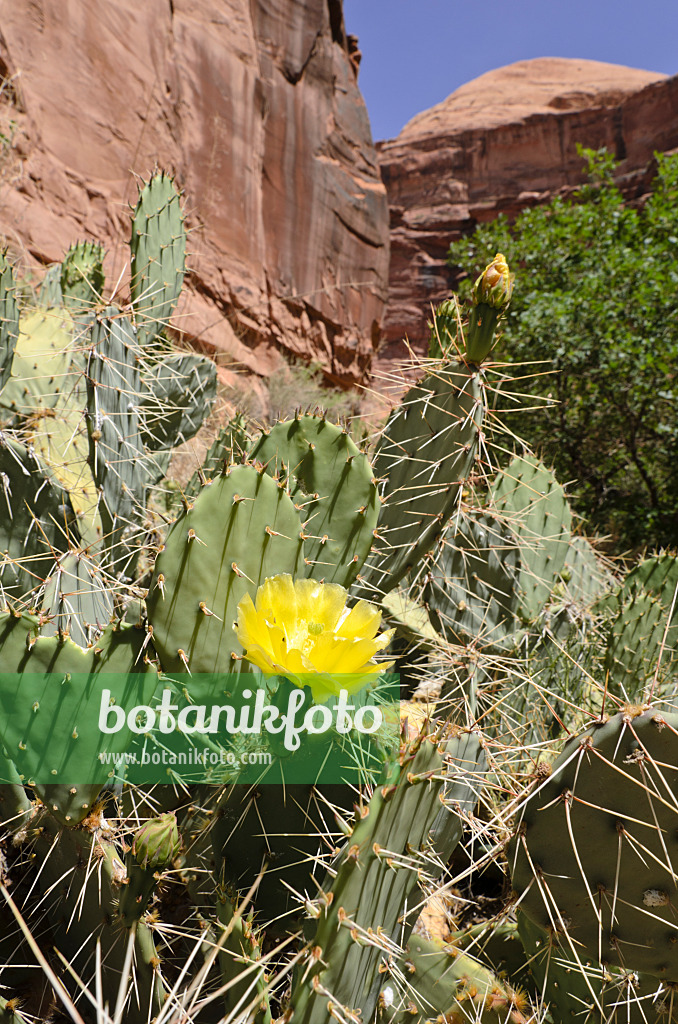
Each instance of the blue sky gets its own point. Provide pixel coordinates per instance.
(416, 52)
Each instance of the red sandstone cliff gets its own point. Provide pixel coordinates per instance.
(254, 106)
(502, 142)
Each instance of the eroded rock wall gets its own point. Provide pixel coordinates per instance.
(502, 142)
(254, 106)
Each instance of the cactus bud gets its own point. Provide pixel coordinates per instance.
(490, 297)
(157, 843)
(495, 284)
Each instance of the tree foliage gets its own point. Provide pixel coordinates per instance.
(595, 304)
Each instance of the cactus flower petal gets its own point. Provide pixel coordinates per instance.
(302, 629)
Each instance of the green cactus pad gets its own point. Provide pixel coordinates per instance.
(241, 949)
(37, 519)
(425, 454)
(374, 882)
(472, 590)
(50, 295)
(595, 849)
(465, 771)
(535, 508)
(158, 247)
(643, 643)
(333, 483)
(433, 983)
(9, 319)
(496, 943)
(181, 390)
(578, 992)
(76, 600)
(117, 458)
(83, 879)
(241, 529)
(585, 574)
(46, 728)
(82, 276)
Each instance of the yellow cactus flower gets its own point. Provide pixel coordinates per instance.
(303, 630)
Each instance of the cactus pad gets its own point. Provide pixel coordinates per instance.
(37, 519)
(595, 852)
(472, 591)
(332, 482)
(9, 319)
(535, 508)
(82, 276)
(76, 600)
(425, 454)
(42, 724)
(181, 389)
(117, 458)
(41, 368)
(241, 529)
(158, 246)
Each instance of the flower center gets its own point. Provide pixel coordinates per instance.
(315, 628)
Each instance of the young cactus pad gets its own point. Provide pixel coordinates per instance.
(82, 276)
(158, 247)
(41, 365)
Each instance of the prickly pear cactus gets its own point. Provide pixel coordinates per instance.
(38, 713)
(641, 650)
(593, 853)
(37, 519)
(9, 319)
(158, 247)
(425, 454)
(333, 482)
(241, 529)
(82, 277)
(472, 591)
(432, 983)
(533, 505)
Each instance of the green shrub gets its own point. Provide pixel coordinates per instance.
(596, 307)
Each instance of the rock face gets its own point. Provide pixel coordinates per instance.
(502, 142)
(254, 106)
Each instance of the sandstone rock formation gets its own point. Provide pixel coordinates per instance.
(502, 142)
(254, 106)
